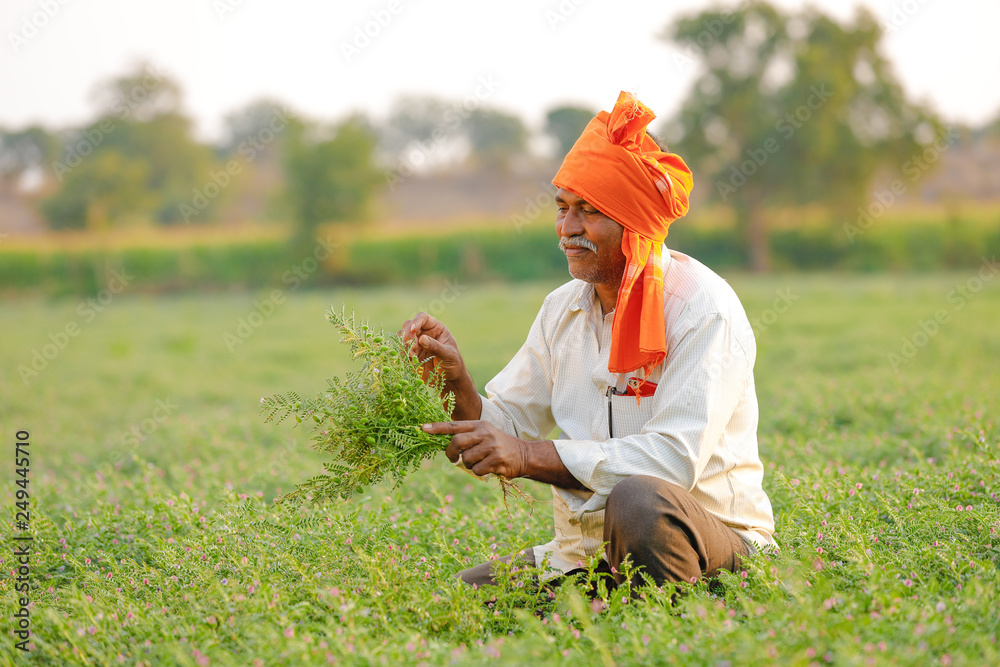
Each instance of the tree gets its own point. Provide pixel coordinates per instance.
(330, 179)
(992, 129)
(565, 124)
(255, 138)
(256, 129)
(418, 119)
(22, 151)
(143, 130)
(141, 94)
(791, 109)
(108, 189)
(495, 137)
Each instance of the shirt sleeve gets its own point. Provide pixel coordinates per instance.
(518, 400)
(705, 376)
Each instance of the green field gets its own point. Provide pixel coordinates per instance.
(156, 541)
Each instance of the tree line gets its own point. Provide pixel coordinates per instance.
(786, 109)
(138, 161)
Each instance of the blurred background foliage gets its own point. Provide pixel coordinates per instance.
(806, 152)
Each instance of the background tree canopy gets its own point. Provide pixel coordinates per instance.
(138, 160)
(791, 115)
(790, 109)
(565, 124)
(495, 137)
(331, 173)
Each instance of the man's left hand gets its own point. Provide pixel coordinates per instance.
(483, 447)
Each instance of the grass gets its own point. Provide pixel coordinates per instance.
(156, 540)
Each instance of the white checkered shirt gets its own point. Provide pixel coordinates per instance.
(699, 429)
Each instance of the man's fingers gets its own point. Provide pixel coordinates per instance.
(420, 322)
(412, 328)
(432, 347)
(451, 428)
(468, 449)
(465, 436)
(482, 467)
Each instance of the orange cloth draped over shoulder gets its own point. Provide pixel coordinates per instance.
(619, 169)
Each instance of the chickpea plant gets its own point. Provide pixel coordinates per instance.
(370, 421)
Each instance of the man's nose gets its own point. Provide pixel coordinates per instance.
(572, 224)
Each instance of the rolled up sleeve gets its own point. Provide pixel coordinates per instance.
(518, 400)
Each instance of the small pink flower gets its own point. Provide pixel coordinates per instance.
(289, 632)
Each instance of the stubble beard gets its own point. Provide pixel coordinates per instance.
(598, 270)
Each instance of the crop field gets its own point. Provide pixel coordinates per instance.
(155, 539)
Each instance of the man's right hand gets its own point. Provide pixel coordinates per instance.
(430, 338)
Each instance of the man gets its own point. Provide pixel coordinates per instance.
(644, 362)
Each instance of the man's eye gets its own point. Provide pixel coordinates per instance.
(590, 211)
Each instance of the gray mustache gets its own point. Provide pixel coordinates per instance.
(577, 242)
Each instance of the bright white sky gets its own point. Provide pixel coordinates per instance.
(946, 52)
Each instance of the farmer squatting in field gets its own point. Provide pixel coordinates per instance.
(644, 362)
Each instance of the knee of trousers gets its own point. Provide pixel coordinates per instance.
(641, 503)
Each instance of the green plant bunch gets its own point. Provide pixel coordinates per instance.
(370, 421)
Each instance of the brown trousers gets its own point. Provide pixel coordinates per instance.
(664, 529)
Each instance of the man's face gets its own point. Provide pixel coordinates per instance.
(591, 241)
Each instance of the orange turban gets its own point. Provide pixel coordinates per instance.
(619, 169)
